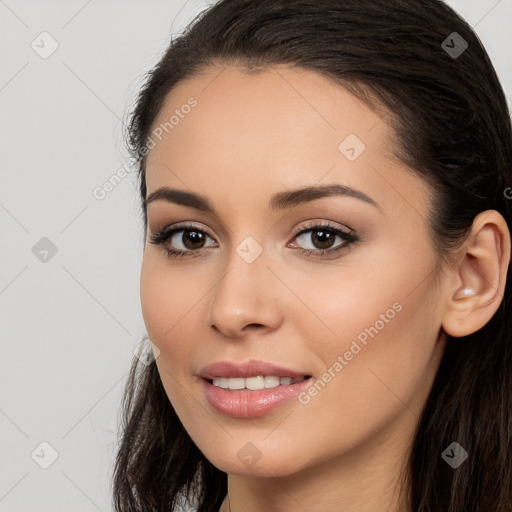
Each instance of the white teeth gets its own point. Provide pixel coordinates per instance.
(271, 381)
(254, 383)
(221, 382)
(236, 383)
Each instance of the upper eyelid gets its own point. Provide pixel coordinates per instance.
(185, 227)
(322, 224)
(310, 225)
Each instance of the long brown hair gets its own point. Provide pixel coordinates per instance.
(453, 126)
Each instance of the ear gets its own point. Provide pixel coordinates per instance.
(479, 276)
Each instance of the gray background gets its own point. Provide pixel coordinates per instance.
(70, 321)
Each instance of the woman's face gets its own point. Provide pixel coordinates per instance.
(360, 320)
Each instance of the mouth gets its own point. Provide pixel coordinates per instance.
(250, 389)
(255, 383)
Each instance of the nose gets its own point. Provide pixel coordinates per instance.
(245, 300)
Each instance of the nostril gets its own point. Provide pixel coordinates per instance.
(253, 326)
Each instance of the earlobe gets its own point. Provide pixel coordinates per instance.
(479, 276)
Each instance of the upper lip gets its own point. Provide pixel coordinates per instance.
(230, 369)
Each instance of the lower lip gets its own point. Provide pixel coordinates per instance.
(250, 404)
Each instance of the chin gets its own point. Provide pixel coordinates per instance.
(250, 461)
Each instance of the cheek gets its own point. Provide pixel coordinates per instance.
(168, 302)
(158, 305)
(348, 303)
(372, 371)
(375, 330)
(168, 298)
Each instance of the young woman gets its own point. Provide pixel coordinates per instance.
(326, 188)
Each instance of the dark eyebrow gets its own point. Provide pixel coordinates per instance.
(291, 198)
(181, 197)
(279, 201)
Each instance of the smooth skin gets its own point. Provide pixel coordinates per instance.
(253, 135)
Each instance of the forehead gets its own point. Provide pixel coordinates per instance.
(254, 107)
(277, 128)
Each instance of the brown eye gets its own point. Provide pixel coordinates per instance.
(322, 239)
(181, 241)
(192, 239)
(187, 239)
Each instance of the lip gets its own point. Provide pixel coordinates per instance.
(229, 369)
(247, 403)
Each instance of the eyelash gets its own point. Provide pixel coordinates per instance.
(349, 238)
